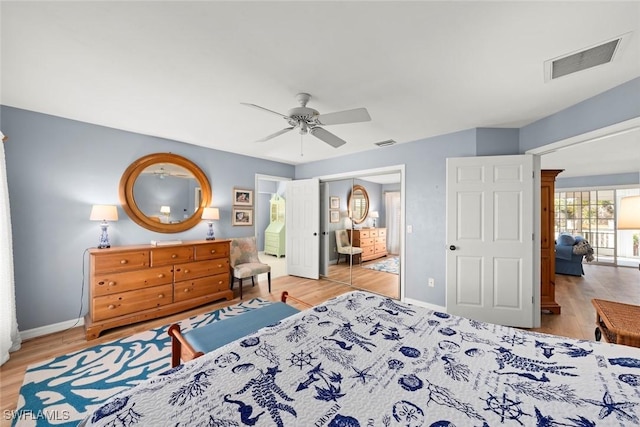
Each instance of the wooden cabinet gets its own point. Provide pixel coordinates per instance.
(129, 284)
(274, 235)
(373, 242)
(547, 242)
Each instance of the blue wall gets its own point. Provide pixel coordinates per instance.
(57, 169)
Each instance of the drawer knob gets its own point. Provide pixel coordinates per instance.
(160, 295)
(112, 283)
(174, 256)
(220, 282)
(123, 261)
(111, 307)
(213, 251)
(160, 276)
(186, 289)
(186, 271)
(100, 283)
(219, 265)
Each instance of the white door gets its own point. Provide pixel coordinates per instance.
(303, 224)
(491, 215)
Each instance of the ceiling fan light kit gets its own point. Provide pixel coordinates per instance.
(308, 120)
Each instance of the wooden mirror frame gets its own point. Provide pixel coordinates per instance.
(366, 197)
(131, 208)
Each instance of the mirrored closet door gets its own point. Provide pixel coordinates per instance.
(359, 214)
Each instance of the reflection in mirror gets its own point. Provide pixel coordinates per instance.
(164, 192)
(358, 204)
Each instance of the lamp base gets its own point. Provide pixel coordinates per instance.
(104, 237)
(210, 235)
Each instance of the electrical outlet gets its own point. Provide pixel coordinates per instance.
(432, 282)
(409, 228)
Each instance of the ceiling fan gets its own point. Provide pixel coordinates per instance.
(308, 120)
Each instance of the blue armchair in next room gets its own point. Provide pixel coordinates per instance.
(567, 261)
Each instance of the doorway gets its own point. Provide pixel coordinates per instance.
(270, 192)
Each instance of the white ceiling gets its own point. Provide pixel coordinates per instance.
(180, 70)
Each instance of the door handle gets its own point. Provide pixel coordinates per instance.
(315, 234)
(452, 247)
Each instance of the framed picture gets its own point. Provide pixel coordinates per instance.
(334, 216)
(334, 202)
(242, 216)
(242, 197)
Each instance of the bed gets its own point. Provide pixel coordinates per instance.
(364, 360)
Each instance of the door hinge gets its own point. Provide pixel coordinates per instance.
(533, 236)
(533, 300)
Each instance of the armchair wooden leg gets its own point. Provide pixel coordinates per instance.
(240, 280)
(269, 280)
(253, 282)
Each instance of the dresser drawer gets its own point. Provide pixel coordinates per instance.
(197, 269)
(367, 250)
(382, 232)
(379, 248)
(212, 251)
(120, 261)
(200, 287)
(271, 239)
(363, 242)
(381, 241)
(373, 233)
(110, 283)
(171, 255)
(108, 306)
(363, 233)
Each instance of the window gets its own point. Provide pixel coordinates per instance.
(592, 214)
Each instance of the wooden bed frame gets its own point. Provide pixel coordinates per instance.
(181, 349)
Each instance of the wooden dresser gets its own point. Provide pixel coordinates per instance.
(547, 242)
(128, 284)
(373, 242)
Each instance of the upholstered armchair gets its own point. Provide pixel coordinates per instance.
(344, 245)
(245, 263)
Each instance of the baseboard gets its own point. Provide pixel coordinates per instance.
(425, 305)
(50, 329)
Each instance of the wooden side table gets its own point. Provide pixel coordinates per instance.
(618, 322)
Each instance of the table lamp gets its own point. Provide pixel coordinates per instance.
(210, 215)
(375, 215)
(166, 211)
(104, 213)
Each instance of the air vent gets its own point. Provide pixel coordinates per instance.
(385, 143)
(587, 58)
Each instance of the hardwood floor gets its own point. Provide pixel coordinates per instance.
(574, 294)
(379, 282)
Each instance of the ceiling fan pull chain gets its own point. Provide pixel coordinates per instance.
(301, 153)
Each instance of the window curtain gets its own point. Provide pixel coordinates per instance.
(9, 335)
(392, 221)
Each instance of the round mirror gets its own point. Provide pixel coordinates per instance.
(358, 204)
(164, 192)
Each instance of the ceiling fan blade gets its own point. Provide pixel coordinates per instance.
(264, 109)
(347, 116)
(273, 135)
(327, 137)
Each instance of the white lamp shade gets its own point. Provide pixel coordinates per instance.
(629, 213)
(104, 213)
(165, 209)
(374, 214)
(211, 214)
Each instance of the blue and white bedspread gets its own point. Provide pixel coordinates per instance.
(364, 360)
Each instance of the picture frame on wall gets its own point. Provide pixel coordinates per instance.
(242, 197)
(242, 216)
(334, 202)
(334, 216)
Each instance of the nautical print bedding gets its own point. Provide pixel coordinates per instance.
(365, 360)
